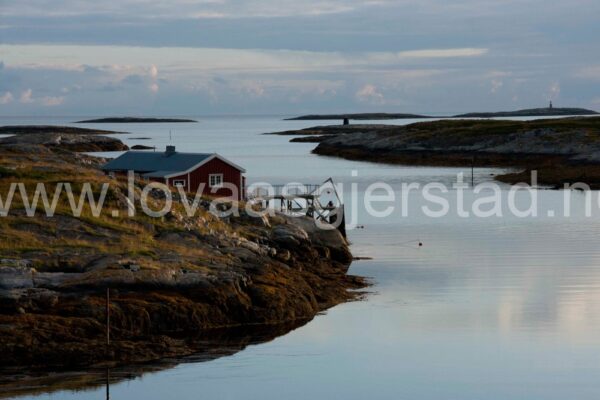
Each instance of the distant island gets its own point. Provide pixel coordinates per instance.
(530, 112)
(129, 120)
(361, 116)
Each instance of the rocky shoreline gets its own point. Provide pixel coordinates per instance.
(563, 150)
(52, 129)
(59, 138)
(170, 279)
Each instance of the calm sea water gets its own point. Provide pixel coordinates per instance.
(495, 308)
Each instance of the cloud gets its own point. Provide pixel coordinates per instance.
(496, 85)
(443, 53)
(127, 59)
(199, 9)
(26, 96)
(133, 79)
(6, 98)
(369, 94)
(588, 72)
(554, 91)
(51, 101)
(252, 88)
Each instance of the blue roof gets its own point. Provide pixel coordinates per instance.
(157, 174)
(165, 163)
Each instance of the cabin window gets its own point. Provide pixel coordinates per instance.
(179, 182)
(215, 180)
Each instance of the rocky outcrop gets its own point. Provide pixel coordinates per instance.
(38, 129)
(64, 141)
(53, 315)
(561, 150)
(171, 279)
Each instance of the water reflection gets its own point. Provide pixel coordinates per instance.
(497, 308)
(213, 344)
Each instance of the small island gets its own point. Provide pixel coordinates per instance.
(562, 150)
(360, 116)
(130, 120)
(549, 111)
(531, 112)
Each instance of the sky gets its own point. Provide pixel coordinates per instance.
(214, 57)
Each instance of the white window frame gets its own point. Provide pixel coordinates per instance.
(179, 182)
(216, 185)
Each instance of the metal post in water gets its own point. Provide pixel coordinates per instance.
(473, 171)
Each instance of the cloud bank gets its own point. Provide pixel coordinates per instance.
(267, 56)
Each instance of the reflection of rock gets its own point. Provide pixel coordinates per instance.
(207, 346)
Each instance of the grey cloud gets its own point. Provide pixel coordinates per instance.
(133, 80)
(539, 46)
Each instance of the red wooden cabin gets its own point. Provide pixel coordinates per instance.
(216, 175)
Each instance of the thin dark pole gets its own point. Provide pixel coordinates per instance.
(473, 171)
(107, 383)
(107, 317)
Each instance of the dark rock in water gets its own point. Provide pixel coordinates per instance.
(309, 139)
(125, 120)
(142, 147)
